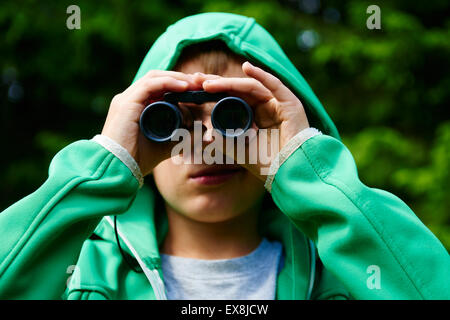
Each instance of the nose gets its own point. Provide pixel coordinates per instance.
(204, 115)
(207, 128)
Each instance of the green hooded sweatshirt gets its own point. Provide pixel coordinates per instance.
(341, 239)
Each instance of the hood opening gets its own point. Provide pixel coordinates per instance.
(243, 36)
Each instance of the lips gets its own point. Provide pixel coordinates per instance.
(215, 174)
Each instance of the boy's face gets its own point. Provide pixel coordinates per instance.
(208, 193)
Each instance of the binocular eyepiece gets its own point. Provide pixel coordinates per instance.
(160, 120)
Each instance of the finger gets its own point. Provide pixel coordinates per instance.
(247, 88)
(279, 90)
(162, 73)
(199, 77)
(168, 73)
(153, 87)
(252, 91)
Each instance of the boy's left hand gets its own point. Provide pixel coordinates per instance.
(274, 105)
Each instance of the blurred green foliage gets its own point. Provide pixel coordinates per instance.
(387, 90)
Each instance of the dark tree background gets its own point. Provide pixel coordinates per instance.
(387, 90)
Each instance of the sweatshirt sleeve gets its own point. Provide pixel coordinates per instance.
(369, 239)
(41, 235)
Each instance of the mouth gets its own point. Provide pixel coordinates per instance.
(215, 174)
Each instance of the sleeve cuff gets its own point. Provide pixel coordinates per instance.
(123, 155)
(286, 151)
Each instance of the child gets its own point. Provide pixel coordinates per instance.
(197, 231)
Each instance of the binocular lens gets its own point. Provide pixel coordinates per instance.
(160, 120)
(231, 113)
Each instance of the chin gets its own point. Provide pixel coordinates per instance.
(214, 208)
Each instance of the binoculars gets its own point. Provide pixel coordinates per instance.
(231, 116)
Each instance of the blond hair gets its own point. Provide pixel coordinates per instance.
(214, 56)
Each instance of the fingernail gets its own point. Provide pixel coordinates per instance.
(182, 83)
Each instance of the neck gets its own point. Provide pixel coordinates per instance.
(209, 241)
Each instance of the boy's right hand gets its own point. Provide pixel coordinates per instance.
(122, 121)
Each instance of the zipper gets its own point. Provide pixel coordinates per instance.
(157, 284)
(152, 274)
(312, 265)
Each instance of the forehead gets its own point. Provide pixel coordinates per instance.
(234, 68)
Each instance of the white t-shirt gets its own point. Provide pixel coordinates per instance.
(250, 277)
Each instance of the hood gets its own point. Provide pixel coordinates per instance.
(144, 225)
(245, 37)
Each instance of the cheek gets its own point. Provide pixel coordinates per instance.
(169, 180)
(247, 192)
